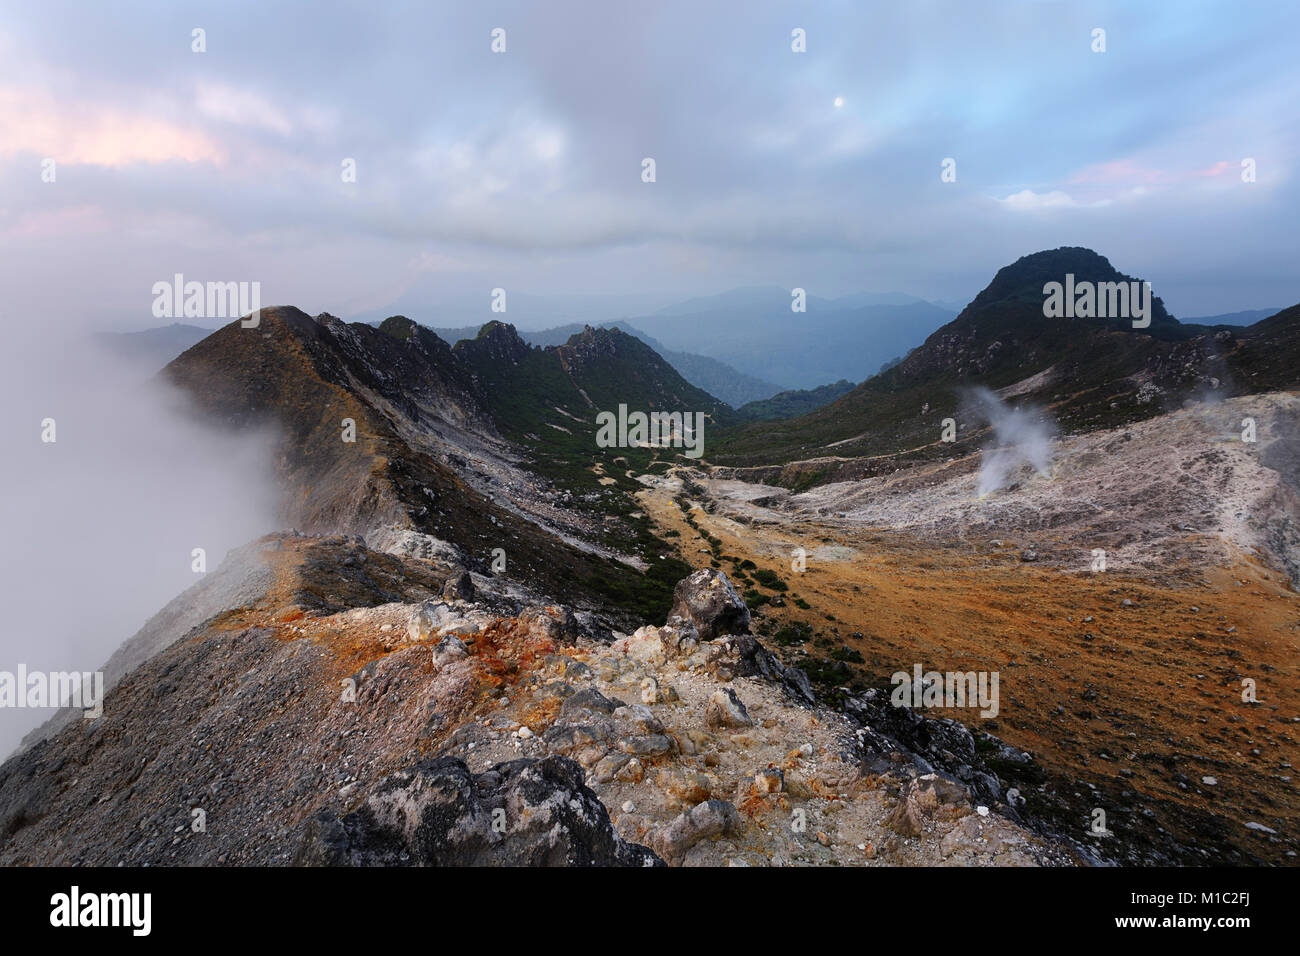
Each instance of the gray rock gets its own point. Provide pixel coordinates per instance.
(521, 813)
(797, 685)
(646, 745)
(554, 621)
(680, 637)
(708, 601)
(740, 655)
(712, 818)
(450, 649)
(638, 718)
(427, 619)
(590, 699)
(725, 710)
(459, 586)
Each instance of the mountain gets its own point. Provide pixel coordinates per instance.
(443, 306)
(715, 377)
(1247, 317)
(490, 444)
(792, 404)
(152, 348)
(1088, 373)
(760, 298)
(755, 331)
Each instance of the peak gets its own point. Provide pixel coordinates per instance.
(283, 315)
(599, 340)
(399, 327)
(497, 341)
(1023, 281)
(1025, 277)
(499, 330)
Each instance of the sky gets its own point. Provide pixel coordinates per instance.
(522, 169)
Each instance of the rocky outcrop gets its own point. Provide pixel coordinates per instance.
(707, 601)
(292, 728)
(522, 813)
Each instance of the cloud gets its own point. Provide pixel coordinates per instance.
(240, 106)
(103, 521)
(36, 123)
(527, 164)
(228, 104)
(1029, 201)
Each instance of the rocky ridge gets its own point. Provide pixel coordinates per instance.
(369, 708)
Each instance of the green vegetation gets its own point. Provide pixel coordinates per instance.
(769, 580)
(797, 632)
(795, 402)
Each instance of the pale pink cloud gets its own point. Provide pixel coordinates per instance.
(1128, 172)
(33, 122)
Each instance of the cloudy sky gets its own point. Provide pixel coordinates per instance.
(522, 169)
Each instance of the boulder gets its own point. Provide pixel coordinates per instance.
(770, 780)
(739, 655)
(725, 711)
(797, 685)
(426, 619)
(707, 600)
(680, 637)
(459, 586)
(590, 699)
(437, 813)
(554, 622)
(923, 797)
(644, 646)
(638, 719)
(712, 818)
(449, 649)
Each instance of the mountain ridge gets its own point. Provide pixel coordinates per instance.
(1088, 373)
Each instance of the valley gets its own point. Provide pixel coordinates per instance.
(1126, 685)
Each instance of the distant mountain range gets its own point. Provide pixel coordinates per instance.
(1248, 317)
(715, 377)
(756, 331)
(751, 329)
(152, 348)
(739, 344)
(1088, 373)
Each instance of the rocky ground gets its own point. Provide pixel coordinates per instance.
(1125, 684)
(359, 707)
